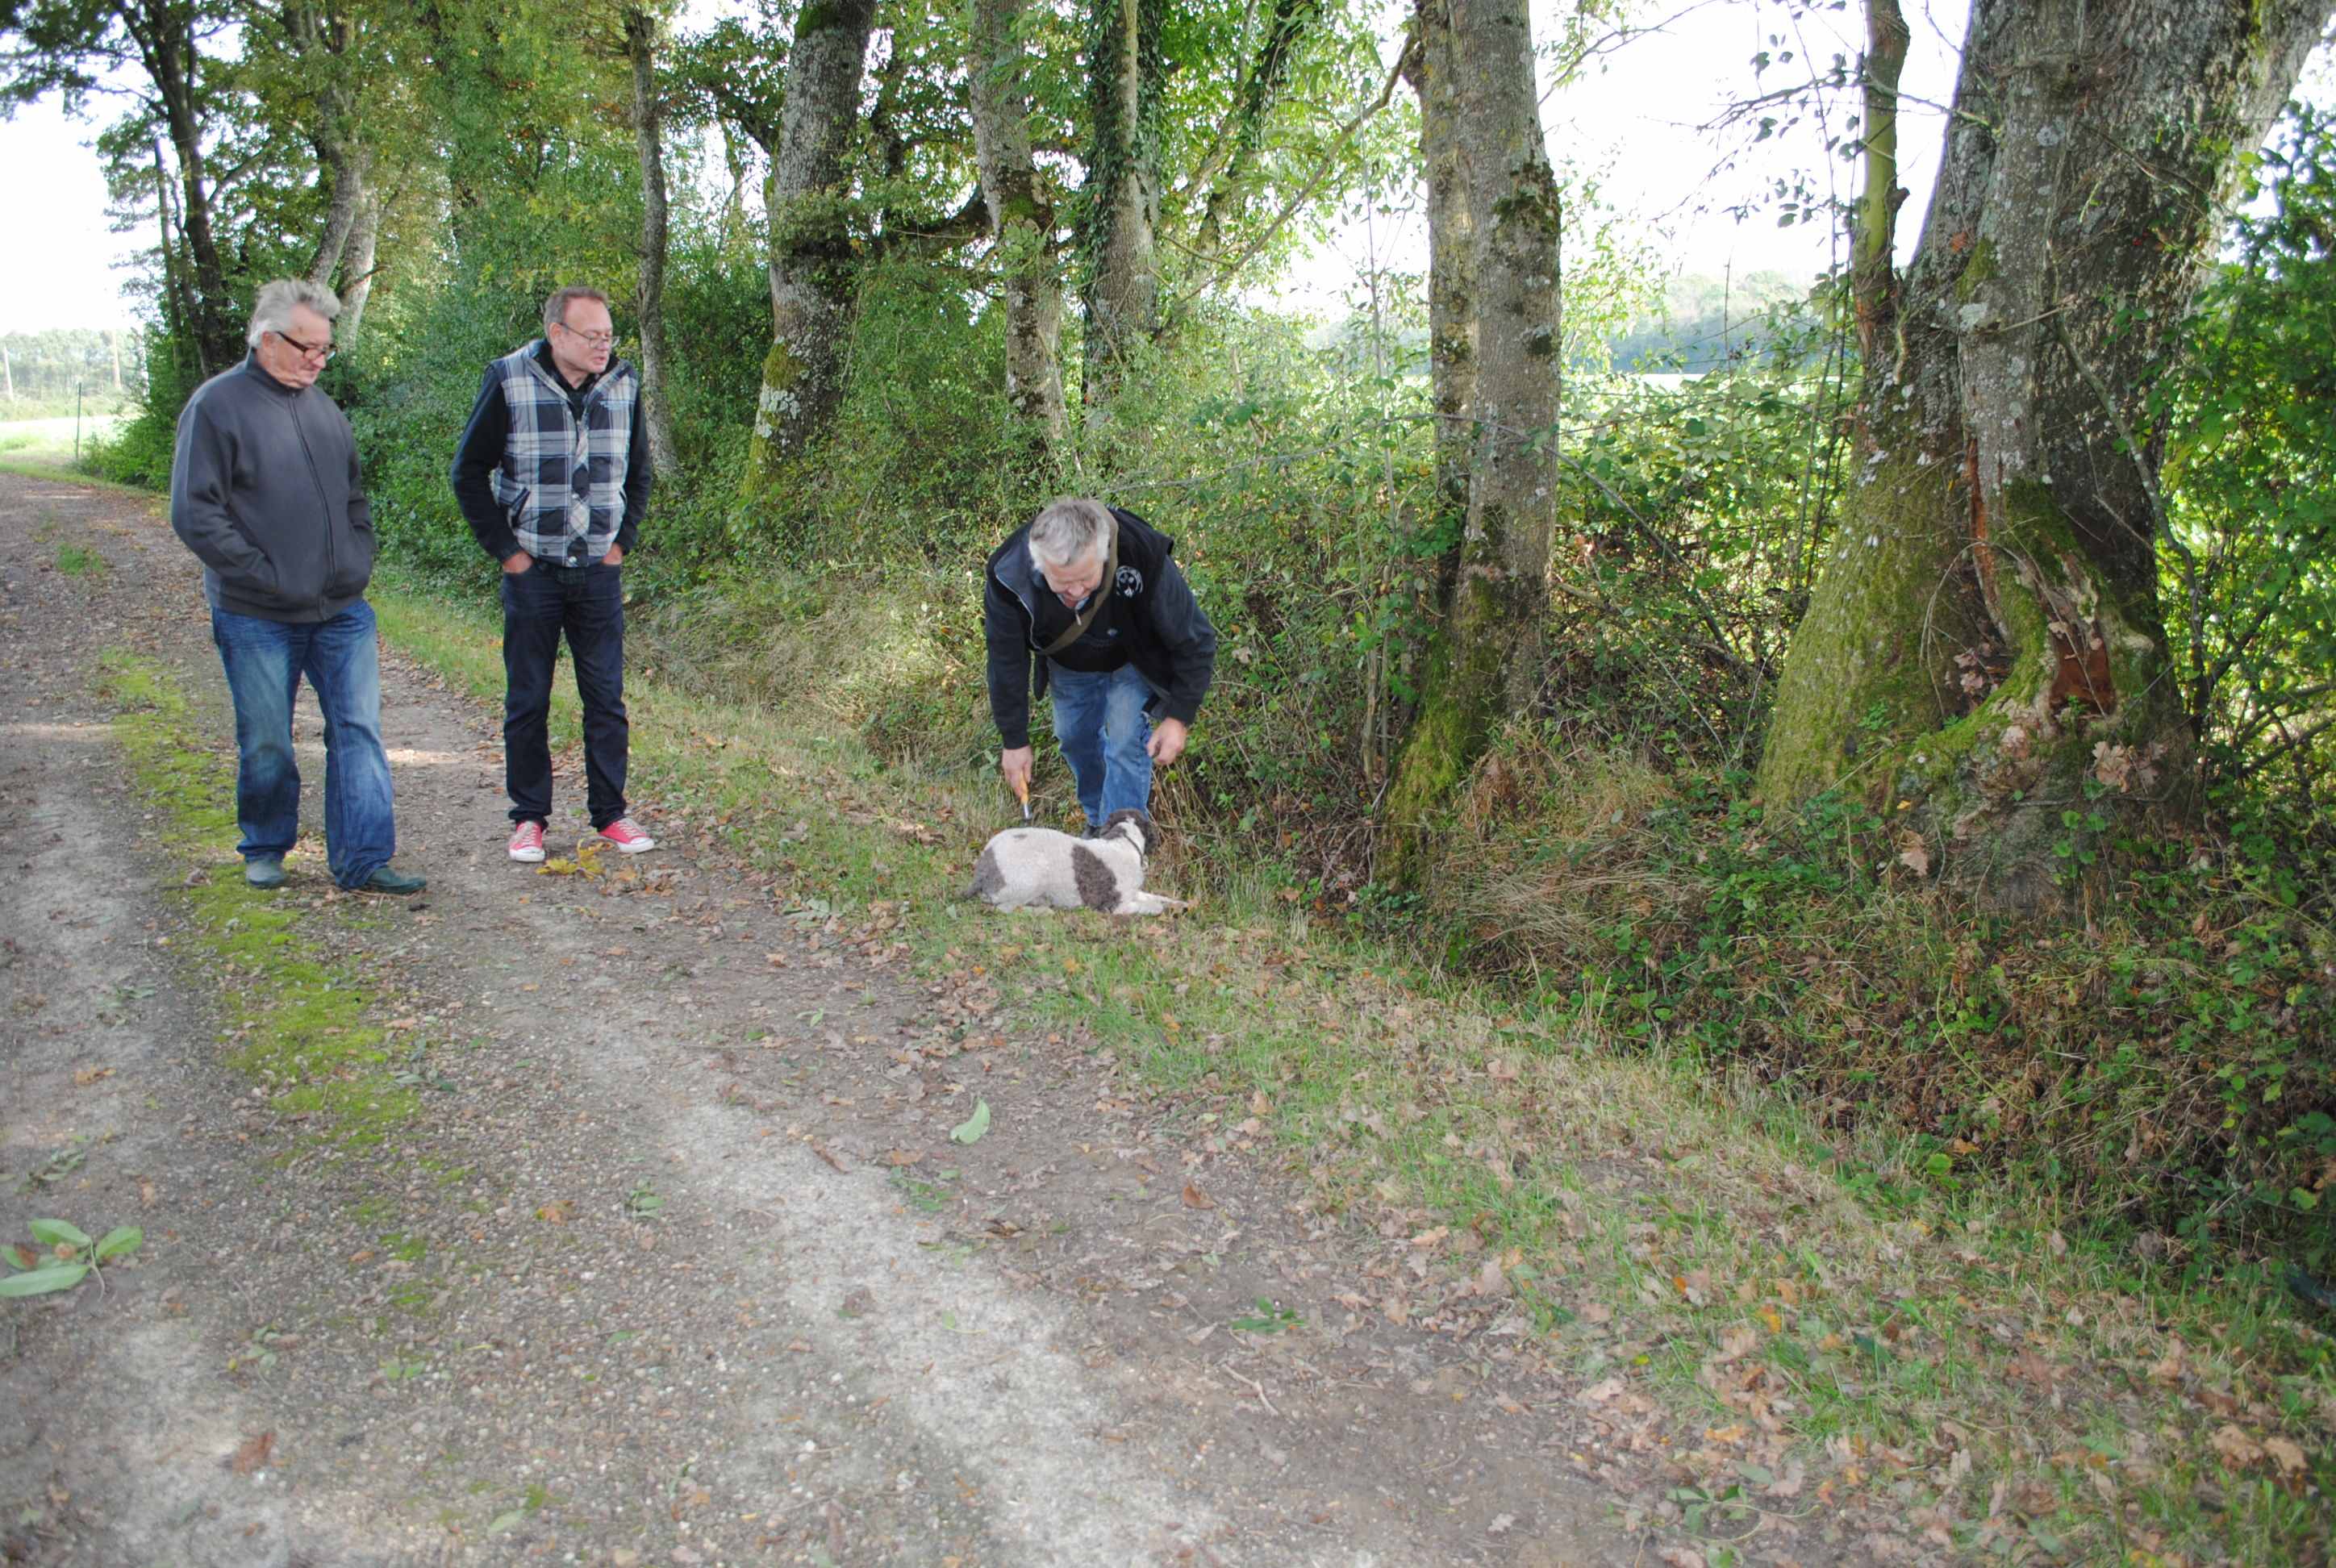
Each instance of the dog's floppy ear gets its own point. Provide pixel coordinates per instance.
(1147, 835)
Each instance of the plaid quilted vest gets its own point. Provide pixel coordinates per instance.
(561, 482)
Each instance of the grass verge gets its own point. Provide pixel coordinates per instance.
(295, 1023)
(1791, 1323)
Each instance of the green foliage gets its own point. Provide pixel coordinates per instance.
(2166, 1069)
(2251, 490)
(62, 1256)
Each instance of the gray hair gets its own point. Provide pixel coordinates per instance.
(271, 310)
(1068, 531)
(555, 309)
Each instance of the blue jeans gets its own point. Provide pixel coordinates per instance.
(1103, 731)
(587, 604)
(265, 661)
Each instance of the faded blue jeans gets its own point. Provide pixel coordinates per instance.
(1103, 731)
(265, 661)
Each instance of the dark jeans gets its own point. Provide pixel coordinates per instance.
(265, 661)
(587, 604)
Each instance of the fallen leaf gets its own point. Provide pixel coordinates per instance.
(2236, 1445)
(253, 1455)
(903, 1156)
(1502, 1069)
(88, 1076)
(1196, 1199)
(970, 1130)
(1916, 858)
(1599, 1393)
(556, 1212)
(2284, 1454)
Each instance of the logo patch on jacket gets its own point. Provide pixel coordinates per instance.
(1129, 583)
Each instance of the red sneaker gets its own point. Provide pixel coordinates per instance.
(527, 842)
(627, 835)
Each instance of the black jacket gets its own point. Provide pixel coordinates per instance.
(265, 489)
(1151, 621)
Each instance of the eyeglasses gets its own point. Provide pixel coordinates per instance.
(321, 352)
(597, 340)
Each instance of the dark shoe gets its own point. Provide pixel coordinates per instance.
(386, 880)
(264, 870)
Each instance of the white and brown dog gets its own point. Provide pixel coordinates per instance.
(1039, 868)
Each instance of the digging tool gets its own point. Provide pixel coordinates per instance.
(1022, 792)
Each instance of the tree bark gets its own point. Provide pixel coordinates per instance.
(1451, 282)
(356, 277)
(811, 267)
(1021, 225)
(640, 44)
(163, 33)
(1121, 216)
(178, 302)
(319, 42)
(1485, 664)
(1985, 638)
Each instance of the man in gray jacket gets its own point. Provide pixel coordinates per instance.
(265, 489)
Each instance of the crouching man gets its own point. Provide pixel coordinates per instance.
(1089, 593)
(265, 489)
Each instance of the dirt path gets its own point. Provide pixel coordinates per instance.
(674, 1261)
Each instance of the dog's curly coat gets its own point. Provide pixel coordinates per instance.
(1026, 868)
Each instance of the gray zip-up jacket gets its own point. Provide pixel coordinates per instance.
(265, 488)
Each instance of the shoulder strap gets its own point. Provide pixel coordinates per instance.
(1096, 601)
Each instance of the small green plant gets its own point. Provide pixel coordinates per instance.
(65, 1257)
(76, 562)
(62, 1163)
(1270, 1318)
(643, 1200)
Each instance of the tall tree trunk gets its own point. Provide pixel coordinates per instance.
(640, 43)
(356, 277)
(1485, 665)
(1985, 637)
(163, 33)
(1122, 217)
(811, 271)
(1451, 281)
(344, 165)
(319, 39)
(177, 294)
(1021, 225)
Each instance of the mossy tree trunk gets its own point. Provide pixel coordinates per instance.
(1485, 663)
(812, 271)
(1985, 636)
(649, 137)
(1120, 221)
(1021, 226)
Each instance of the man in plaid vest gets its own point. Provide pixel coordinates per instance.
(553, 475)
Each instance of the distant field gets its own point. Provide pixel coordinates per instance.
(49, 443)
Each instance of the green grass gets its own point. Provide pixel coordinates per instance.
(297, 1024)
(72, 560)
(1803, 1302)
